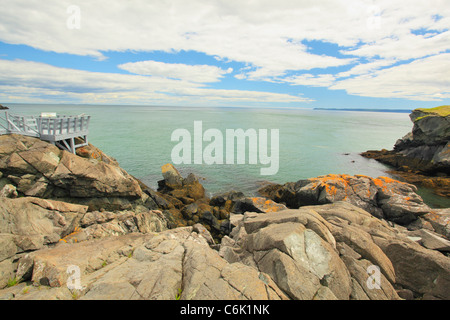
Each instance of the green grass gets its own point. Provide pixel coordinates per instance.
(178, 296)
(75, 295)
(12, 282)
(443, 111)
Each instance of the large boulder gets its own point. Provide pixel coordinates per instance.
(425, 272)
(383, 197)
(28, 223)
(256, 204)
(39, 169)
(439, 219)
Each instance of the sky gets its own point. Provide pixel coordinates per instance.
(390, 54)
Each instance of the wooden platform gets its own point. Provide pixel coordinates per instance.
(59, 130)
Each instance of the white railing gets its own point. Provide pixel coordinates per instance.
(60, 130)
(45, 126)
(63, 125)
(19, 124)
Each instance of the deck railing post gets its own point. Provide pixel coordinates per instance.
(8, 127)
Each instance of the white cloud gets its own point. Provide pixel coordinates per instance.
(193, 73)
(407, 46)
(365, 68)
(27, 80)
(321, 80)
(424, 79)
(267, 36)
(264, 34)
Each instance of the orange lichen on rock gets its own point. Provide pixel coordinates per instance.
(381, 182)
(267, 205)
(76, 231)
(330, 183)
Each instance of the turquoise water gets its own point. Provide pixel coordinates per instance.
(311, 142)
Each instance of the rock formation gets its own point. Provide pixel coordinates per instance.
(423, 155)
(39, 169)
(383, 197)
(80, 227)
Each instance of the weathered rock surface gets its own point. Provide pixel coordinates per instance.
(439, 219)
(315, 252)
(31, 223)
(383, 197)
(331, 248)
(28, 224)
(308, 256)
(39, 169)
(173, 264)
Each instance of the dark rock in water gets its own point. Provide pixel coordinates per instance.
(3, 107)
(189, 211)
(179, 187)
(221, 199)
(424, 153)
(172, 178)
(186, 204)
(431, 126)
(426, 149)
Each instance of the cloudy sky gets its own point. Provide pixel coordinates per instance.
(283, 53)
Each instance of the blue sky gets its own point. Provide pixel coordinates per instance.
(287, 53)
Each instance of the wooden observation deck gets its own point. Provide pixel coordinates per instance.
(59, 130)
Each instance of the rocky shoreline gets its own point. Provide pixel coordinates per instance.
(422, 157)
(80, 227)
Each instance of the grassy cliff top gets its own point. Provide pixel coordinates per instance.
(443, 111)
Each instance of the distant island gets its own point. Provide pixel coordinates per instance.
(367, 110)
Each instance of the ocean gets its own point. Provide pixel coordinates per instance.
(311, 142)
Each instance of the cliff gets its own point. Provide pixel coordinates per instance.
(423, 155)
